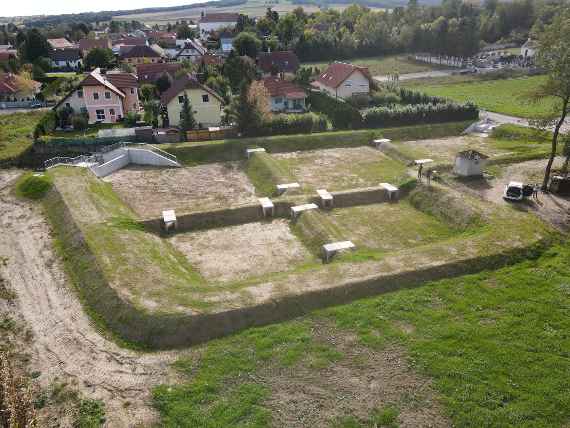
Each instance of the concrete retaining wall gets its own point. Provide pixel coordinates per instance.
(111, 166)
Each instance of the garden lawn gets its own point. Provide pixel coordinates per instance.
(502, 96)
(495, 344)
(16, 134)
(381, 65)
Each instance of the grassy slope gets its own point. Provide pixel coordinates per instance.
(496, 345)
(379, 65)
(16, 133)
(501, 96)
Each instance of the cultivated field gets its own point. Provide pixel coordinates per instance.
(507, 96)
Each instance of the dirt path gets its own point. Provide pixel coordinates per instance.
(66, 346)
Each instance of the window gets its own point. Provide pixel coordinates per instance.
(181, 99)
(68, 105)
(278, 100)
(95, 95)
(80, 93)
(108, 95)
(100, 114)
(83, 110)
(205, 98)
(112, 111)
(132, 90)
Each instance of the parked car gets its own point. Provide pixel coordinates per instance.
(517, 191)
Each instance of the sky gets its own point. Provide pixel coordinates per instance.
(55, 7)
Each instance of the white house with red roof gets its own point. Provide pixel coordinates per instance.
(343, 80)
(105, 97)
(285, 96)
(17, 91)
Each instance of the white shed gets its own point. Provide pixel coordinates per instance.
(469, 163)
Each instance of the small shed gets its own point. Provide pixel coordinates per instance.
(469, 163)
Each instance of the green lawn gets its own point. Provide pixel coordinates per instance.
(495, 344)
(380, 65)
(16, 133)
(502, 96)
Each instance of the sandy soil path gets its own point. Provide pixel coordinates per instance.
(66, 345)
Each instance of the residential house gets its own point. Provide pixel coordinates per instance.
(343, 80)
(211, 60)
(216, 21)
(285, 96)
(140, 55)
(528, 50)
(105, 97)
(206, 104)
(66, 59)
(60, 43)
(85, 45)
(123, 44)
(150, 73)
(282, 63)
(189, 50)
(17, 91)
(7, 53)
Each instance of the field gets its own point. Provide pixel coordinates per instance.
(16, 134)
(505, 96)
(384, 65)
(253, 8)
(451, 311)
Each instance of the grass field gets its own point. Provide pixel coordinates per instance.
(495, 345)
(380, 65)
(502, 96)
(16, 133)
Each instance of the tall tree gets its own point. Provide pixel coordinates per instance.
(99, 57)
(554, 56)
(247, 44)
(187, 120)
(35, 45)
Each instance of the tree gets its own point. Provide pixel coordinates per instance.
(99, 57)
(247, 44)
(162, 84)
(151, 112)
(183, 31)
(187, 120)
(554, 56)
(238, 69)
(289, 30)
(245, 112)
(35, 45)
(147, 92)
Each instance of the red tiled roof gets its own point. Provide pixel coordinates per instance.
(60, 43)
(186, 81)
(122, 80)
(283, 61)
(141, 52)
(220, 17)
(12, 83)
(210, 59)
(95, 78)
(338, 72)
(132, 41)
(88, 44)
(283, 88)
(151, 72)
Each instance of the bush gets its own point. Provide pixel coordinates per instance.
(341, 114)
(79, 122)
(384, 98)
(131, 119)
(307, 123)
(409, 96)
(420, 113)
(33, 187)
(46, 124)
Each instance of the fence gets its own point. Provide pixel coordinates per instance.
(206, 134)
(69, 161)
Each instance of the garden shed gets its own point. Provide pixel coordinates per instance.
(469, 163)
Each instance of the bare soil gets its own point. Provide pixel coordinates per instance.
(65, 346)
(551, 208)
(360, 382)
(237, 252)
(149, 190)
(343, 168)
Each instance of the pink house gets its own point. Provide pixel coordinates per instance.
(103, 97)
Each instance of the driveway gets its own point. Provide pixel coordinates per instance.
(503, 118)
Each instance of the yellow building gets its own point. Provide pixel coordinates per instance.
(206, 104)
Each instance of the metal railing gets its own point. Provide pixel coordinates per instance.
(126, 144)
(62, 160)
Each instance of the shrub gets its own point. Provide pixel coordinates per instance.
(33, 187)
(409, 96)
(295, 124)
(419, 113)
(341, 114)
(46, 124)
(79, 122)
(131, 119)
(384, 98)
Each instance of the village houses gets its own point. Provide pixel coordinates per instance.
(343, 80)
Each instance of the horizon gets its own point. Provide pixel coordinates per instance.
(60, 7)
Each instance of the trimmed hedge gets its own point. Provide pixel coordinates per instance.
(307, 123)
(409, 96)
(341, 114)
(419, 113)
